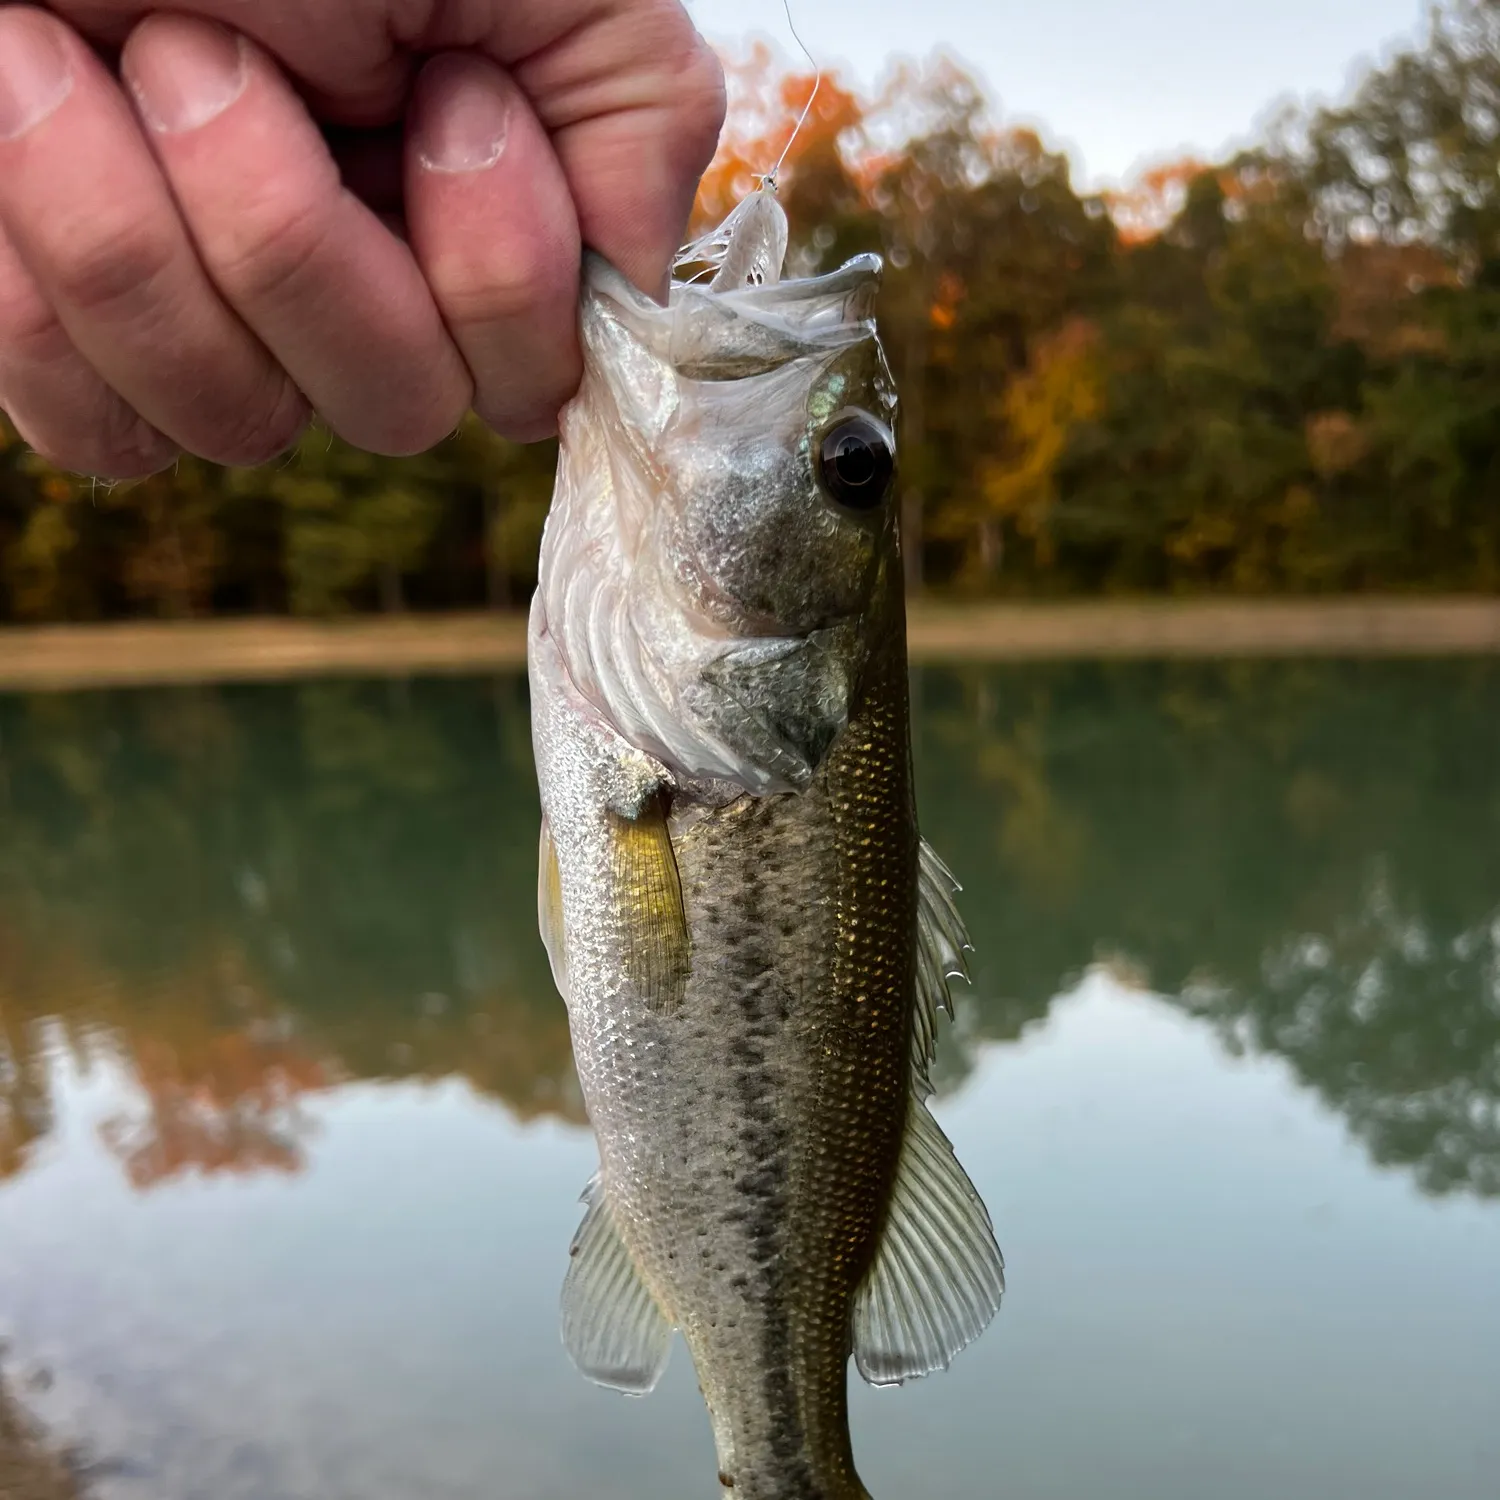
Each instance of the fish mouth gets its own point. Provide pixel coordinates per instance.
(779, 705)
(729, 335)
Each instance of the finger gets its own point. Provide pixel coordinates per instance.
(54, 397)
(331, 292)
(493, 226)
(634, 101)
(87, 211)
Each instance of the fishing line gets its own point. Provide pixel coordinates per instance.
(712, 250)
(769, 178)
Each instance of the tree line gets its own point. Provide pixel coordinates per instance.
(1275, 373)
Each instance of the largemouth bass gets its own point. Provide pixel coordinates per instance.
(751, 937)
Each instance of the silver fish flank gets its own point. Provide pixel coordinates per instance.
(751, 937)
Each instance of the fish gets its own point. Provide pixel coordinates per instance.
(752, 938)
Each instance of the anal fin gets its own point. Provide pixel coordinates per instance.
(612, 1327)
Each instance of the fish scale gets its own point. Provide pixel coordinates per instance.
(750, 936)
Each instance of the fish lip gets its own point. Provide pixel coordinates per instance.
(856, 274)
(601, 275)
(805, 317)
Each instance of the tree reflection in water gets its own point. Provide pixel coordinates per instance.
(30, 1469)
(1304, 855)
(243, 896)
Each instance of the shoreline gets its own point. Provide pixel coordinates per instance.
(65, 657)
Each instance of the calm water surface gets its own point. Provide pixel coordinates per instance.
(290, 1143)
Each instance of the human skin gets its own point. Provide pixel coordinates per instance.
(219, 221)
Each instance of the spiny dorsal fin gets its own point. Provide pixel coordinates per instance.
(611, 1326)
(549, 910)
(938, 1276)
(942, 942)
(649, 892)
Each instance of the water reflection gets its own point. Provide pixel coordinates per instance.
(29, 1467)
(242, 897)
(247, 896)
(1306, 856)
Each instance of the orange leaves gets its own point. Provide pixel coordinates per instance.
(1147, 208)
(950, 293)
(227, 1105)
(215, 1070)
(1144, 210)
(764, 107)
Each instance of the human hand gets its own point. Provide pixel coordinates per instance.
(370, 209)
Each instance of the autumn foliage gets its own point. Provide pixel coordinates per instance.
(1273, 373)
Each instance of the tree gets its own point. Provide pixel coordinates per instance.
(1414, 157)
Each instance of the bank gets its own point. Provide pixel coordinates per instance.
(79, 656)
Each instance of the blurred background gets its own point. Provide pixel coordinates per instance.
(1270, 366)
(290, 1138)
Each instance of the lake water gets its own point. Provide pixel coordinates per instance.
(290, 1145)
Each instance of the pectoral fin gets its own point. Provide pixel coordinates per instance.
(549, 909)
(648, 889)
(612, 1327)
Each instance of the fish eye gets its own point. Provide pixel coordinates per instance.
(856, 462)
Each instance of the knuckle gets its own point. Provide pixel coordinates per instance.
(515, 422)
(702, 101)
(271, 246)
(403, 436)
(122, 444)
(30, 332)
(121, 448)
(689, 82)
(528, 281)
(269, 428)
(113, 267)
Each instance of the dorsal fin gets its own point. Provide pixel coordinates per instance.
(938, 1275)
(942, 943)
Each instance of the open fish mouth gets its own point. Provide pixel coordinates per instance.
(706, 334)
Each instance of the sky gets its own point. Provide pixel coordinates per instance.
(1118, 85)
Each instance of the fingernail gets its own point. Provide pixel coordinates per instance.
(184, 74)
(36, 72)
(462, 114)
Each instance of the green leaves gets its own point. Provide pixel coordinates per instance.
(1278, 372)
(325, 531)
